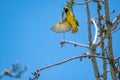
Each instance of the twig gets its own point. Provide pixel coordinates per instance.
(110, 50)
(115, 30)
(89, 26)
(115, 23)
(96, 31)
(73, 58)
(36, 75)
(116, 20)
(117, 58)
(118, 70)
(81, 3)
(100, 41)
(74, 43)
(37, 72)
(104, 62)
(14, 72)
(98, 0)
(92, 49)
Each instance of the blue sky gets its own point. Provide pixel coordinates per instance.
(25, 36)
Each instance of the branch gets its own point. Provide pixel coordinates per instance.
(116, 29)
(98, 0)
(74, 43)
(81, 3)
(117, 58)
(14, 72)
(110, 50)
(37, 73)
(96, 31)
(104, 62)
(89, 26)
(116, 20)
(92, 49)
(115, 23)
(73, 58)
(118, 72)
(100, 41)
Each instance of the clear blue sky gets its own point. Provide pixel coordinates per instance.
(25, 36)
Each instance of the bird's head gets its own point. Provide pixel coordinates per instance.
(65, 9)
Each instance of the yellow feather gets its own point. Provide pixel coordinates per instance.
(61, 27)
(72, 20)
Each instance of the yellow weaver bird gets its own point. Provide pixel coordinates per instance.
(62, 26)
(72, 20)
(67, 24)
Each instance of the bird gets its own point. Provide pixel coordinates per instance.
(72, 20)
(62, 26)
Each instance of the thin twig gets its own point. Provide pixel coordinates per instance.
(87, 54)
(115, 24)
(98, 0)
(74, 43)
(14, 72)
(100, 41)
(117, 58)
(89, 25)
(118, 28)
(73, 58)
(96, 31)
(116, 20)
(81, 3)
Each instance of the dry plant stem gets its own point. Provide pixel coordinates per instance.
(13, 72)
(73, 58)
(82, 2)
(116, 20)
(89, 26)
(104, 62)
(110, 51)
(74, 43)
(99, 41)
(37, 73)
(102, 41)
(115, 30)
(117, 58)
(115, 23)
(96, 31)
(92, 50)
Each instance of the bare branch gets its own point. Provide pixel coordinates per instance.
(74, 43)
(117, 58)
(100, 41)
(115, 23)
(81, 3)
(110, 50)
(73, 58)
(115, 30)
(92, 50)
(37, 72)
(96, 31)
(119, 73)
(98, 0)
(116, 20)
(89, 26)
(104, 62)
(36, 75)
(14, 72)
